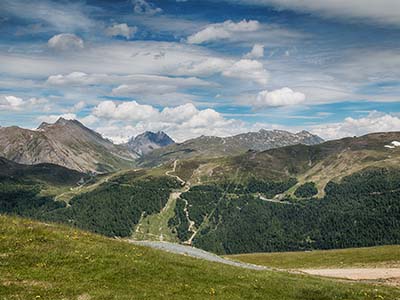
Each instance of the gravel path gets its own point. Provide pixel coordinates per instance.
(357, 273)
(196, 253)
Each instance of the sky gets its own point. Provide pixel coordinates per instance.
(202, 67)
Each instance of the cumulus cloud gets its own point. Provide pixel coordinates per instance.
(256, 52)
(119, 121)
(125, 111)
(142, 7)
(121, 30)
(65, 41)
(223, 30)
(374, 122)
(248, 69)
(13, 103)
(54, 118)
(281, 97)
(382, 11)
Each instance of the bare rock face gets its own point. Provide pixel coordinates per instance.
(66, 143)
(148, 141)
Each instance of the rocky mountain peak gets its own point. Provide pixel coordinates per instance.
(148, 141)
(67, 143)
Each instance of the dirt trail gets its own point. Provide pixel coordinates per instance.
(168, 173)
(357, 273)
(192, 227)
(274, 200)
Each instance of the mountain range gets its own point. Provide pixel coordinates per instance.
(212, 146)
(70, 144)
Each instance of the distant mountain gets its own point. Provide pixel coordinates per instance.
(148, 141)
(211, 146)
(66, 143)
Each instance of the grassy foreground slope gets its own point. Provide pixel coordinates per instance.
(42, 261)
(371, 257)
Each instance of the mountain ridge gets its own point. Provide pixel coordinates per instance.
(66, 143)
(70, 144)
(213, 146)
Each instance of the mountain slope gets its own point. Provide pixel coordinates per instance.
(48, 261)
(41, 173)
(148, 141)
(211, 146)
(319, 163)
(66, 143)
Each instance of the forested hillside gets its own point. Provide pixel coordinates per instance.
(111, 209)
(362, 210)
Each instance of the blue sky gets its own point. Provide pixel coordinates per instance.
(202, 67)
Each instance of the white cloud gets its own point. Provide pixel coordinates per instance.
(65, 41)
(373, 122)
(207, 66)
(54, 118)
(78, 106)
(89, 120)
(139, 57)
(120, 121)
(256, 52)
(142, 7)
(281, 97)
(121, 30)
(74, 78)
(157, 85)
(179, 113)
(148, 82)
(13, 103)
(223, 30)
(150, 88)
(381, 11)
(125, 111)
(248, 70)
(60, 15)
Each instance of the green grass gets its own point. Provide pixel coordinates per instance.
(46, 261)
(381, 256)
